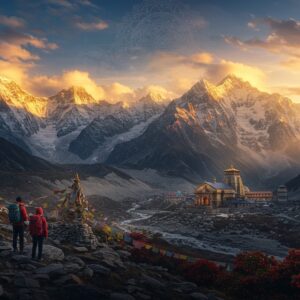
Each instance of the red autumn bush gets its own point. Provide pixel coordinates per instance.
(138, 236)
(254, 276)
(146, 256)
(296, 281)
(253, 263)
(202, 272)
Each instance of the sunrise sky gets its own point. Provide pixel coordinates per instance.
(113, 47)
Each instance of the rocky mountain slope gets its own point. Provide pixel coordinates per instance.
(47, 126)
(196, 136)
(15, 159)
(212, 126)
(121, 120)
(36, 177)
(20, 112)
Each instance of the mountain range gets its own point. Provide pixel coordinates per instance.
(194, 136)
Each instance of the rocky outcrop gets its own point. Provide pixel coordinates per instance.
(71, 272)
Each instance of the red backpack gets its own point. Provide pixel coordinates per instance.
(36, 225)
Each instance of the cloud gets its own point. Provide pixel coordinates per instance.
(62, 3)
(178, 72)
(22, 39)
(99, 25)
(283, 37)
(169, 59)
(13, 52)
(252, 74)
(87, 3)
(14, 47)
(49, 85)
(12, 22)
(16, 71)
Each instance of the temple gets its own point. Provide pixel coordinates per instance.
(216, 194)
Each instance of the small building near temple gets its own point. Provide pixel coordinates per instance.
(281, 194)
(259, 195)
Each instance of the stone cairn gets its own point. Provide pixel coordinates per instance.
(74, 216)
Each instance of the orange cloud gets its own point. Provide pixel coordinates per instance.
(114, 92)
(12, 52)
(202, 58)
(248, 73)
(49, 85)
(15, 71)
(99, 25)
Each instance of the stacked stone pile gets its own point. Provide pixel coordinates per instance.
(77, 234)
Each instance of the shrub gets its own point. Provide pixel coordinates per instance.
(253, 263)
(138, 236)
(202, 272)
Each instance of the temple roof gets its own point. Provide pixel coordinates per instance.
(231, 169)
(219, 185)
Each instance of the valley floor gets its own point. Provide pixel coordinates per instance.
(220, 234)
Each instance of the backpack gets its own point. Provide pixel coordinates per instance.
(36, 225)
(14, 213)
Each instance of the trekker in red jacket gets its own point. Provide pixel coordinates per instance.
(19, 227)
(38, 228)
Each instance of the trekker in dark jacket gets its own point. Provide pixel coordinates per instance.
(38, 228)
(19, 227)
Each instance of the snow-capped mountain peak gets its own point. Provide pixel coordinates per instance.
(75, 95)
(17, 98)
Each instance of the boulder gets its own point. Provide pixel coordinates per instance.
(99, 269)
(51, 269)
(80, 249)
(79, 292)
(20, 259)
(50, 253)
(121, 296)
(21, 281)
(152, 282)
(72, 268)
(75, 259)
(198, 296)
(87, 273)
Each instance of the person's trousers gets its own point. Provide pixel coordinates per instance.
(37, 242)
(18, 232)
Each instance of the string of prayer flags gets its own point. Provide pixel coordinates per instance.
(155, 250)
(127, 238)
(138, 244)
(148, 246)
(169, 253)
(183, 257)
(162, 252)
(177, 256)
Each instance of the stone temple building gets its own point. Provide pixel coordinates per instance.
(216, 193)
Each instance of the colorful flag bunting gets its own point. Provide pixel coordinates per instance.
(148, 246)
(162, 251)
(169, 253)
(127, 238)
(155, 250)
(138, 244)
